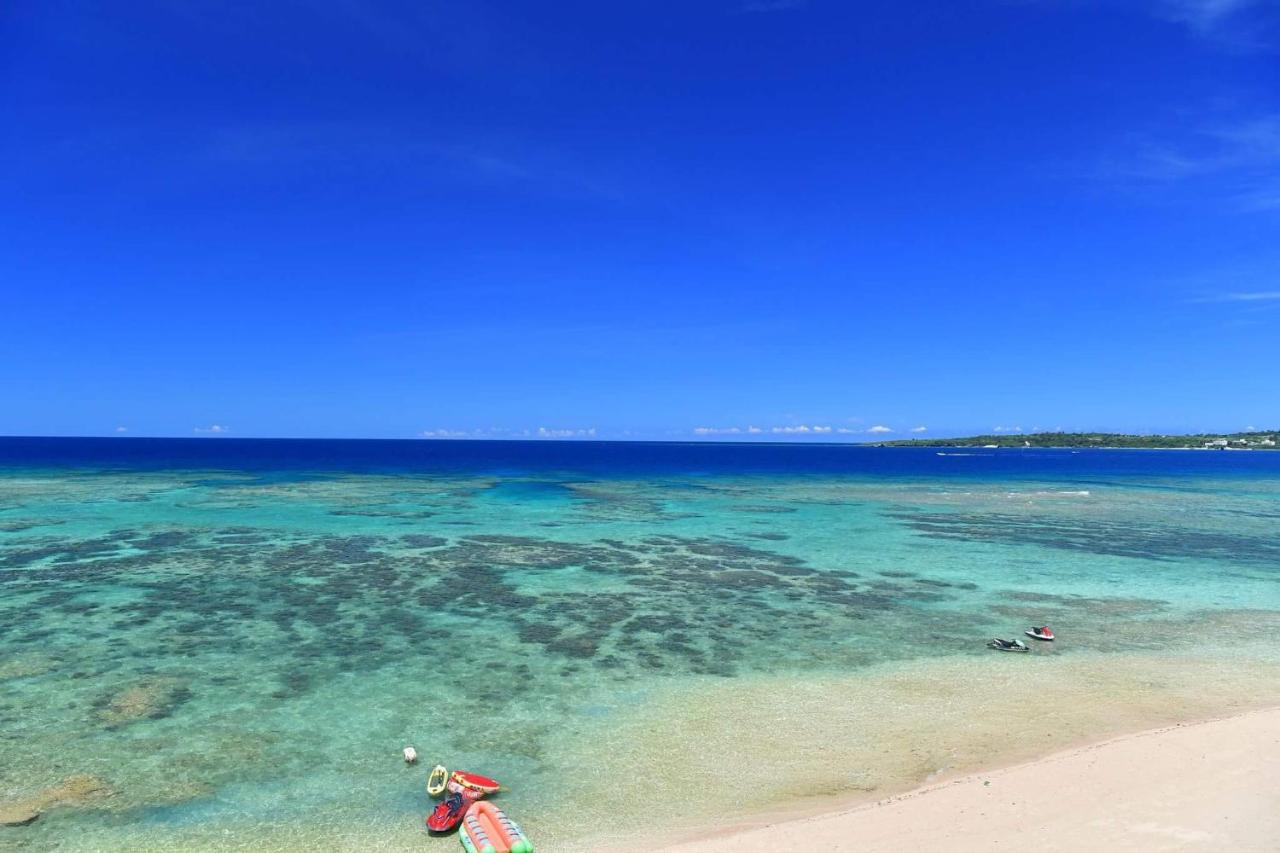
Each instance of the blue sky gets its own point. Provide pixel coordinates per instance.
(705, 219)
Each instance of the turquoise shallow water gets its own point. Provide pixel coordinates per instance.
(240, 655)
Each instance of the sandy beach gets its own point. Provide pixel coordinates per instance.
(1212, 785)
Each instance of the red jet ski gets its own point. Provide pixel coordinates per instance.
(1041, 633)
(448, 814)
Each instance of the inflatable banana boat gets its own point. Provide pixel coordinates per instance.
(466, 784)
(487, 829)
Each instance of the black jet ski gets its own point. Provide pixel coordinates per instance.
(1007, 645)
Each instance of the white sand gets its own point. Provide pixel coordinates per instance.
(1197, 787)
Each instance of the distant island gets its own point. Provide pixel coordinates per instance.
(1197, 441)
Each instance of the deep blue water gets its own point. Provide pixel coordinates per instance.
(608, 459)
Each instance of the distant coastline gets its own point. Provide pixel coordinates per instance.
(1262, 440)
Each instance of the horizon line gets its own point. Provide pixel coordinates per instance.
(585, 440)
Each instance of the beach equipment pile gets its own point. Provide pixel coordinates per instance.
(482, 826)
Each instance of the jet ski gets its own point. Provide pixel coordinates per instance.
(1041, 633)
(448, 814)
(1007, 645)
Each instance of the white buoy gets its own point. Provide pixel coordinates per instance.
(410, 755)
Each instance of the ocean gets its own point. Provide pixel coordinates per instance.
(236, 638)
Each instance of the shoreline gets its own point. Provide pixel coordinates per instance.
(781, 750)
(773, 824)
(1125, 792)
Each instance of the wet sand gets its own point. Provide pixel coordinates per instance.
(1205, 786)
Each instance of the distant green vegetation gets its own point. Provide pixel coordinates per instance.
(1221, 441)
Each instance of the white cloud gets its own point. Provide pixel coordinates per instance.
(215, 429)
(793, 429)
(544, 432)
(1255, 296)
(1260, 199)
(1204, 17)
(122, 429)
(1006, 429)
(920, 429)
(507, 432)
(443, 433)
(1234, 161)
(1239, 26)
